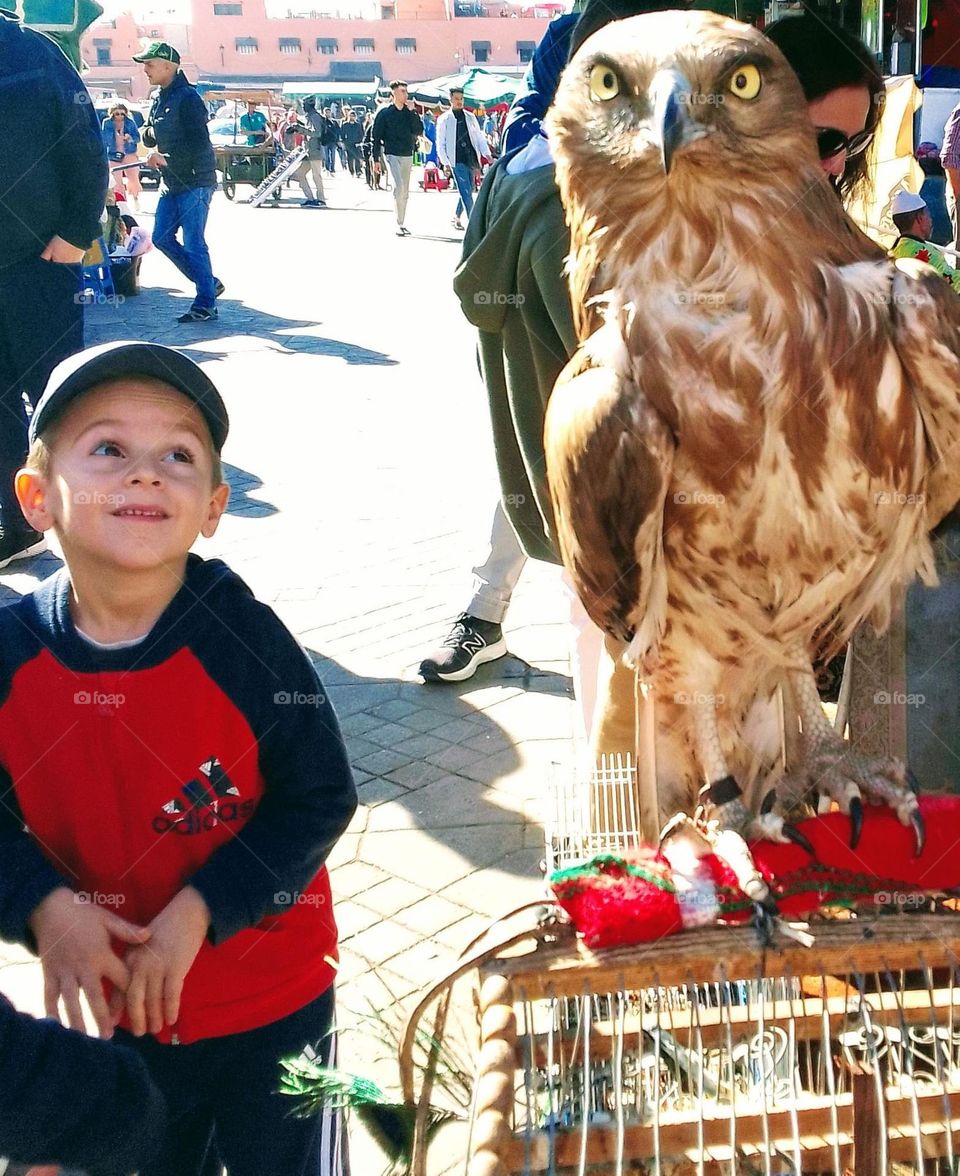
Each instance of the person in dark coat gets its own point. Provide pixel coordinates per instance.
(178, 127)
(69, 1099)
(53, 188)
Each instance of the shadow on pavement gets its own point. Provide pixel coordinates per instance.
(241, 482)
(437, 760)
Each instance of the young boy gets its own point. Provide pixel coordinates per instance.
(173, 777)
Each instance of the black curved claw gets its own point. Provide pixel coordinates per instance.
(768, 802)
(798, 838)
(856, 821)
(913, 782)
(920, 829)
(765, 920)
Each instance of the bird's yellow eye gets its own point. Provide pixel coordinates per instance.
(746, 82)
(604, 83)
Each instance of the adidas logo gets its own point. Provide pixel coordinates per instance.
(203, 804)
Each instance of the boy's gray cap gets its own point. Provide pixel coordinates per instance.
(110, 361)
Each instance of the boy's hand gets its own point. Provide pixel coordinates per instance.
(73, 941)
(158, 968)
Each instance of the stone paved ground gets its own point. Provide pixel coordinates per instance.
(363, 484)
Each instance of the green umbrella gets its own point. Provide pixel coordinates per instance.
(480, 87)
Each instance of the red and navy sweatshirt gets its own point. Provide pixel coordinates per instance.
(206, 754)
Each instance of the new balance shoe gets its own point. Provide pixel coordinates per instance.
(20, 545)
(198, 314)
(219, 288)
(469, 644)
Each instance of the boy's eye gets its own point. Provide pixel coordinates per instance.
(182, 455)
(108, 449)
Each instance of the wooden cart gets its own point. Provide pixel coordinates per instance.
(239, 162)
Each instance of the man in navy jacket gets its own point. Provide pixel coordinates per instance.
(54, 178)
(177, 125)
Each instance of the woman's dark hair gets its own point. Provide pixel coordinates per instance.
(825, 57)
(597, 13)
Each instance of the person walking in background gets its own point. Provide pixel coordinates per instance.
(351, 133)
(462, 149)
(316, 152)
(394, 135)
(120, 139)
(950, 158)
(329, 137)
(52, 195)
(178, 128)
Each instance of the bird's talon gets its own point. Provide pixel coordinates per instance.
(856, 821)
(920, 829)
(913, 782)
(768, 802)
(792, 833)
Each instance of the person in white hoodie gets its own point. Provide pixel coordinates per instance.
(462, 148)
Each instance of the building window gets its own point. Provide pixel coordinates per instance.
(387, 12)
(103, 55)
(246, 46)
(363, 45)
(405, 45)
(525, 50)
(289, 45)
(228, 10)
(327, 46)
(481, 52)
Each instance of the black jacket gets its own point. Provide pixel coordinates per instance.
(395, 131)
(351, 133)
(179, 121)
(53, 168)
(71, 1099)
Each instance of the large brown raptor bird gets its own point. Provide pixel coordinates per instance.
(761, 425)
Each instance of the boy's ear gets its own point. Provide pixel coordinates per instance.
(218, 504)
(31, 491)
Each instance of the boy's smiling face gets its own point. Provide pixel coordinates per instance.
(131, 482)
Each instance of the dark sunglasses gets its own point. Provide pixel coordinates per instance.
(831, 142)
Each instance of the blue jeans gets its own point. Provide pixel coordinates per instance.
(187, 211)
(463, 176)
(330, 157)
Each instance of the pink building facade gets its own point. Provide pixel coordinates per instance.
(235, 42)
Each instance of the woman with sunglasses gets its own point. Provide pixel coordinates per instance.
(120, 137)
(844, 91)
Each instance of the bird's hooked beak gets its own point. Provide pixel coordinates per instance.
(672, 124)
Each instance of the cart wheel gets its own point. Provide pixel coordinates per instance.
(229, 189)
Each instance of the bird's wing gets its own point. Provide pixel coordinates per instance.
(609, 461)
(926, 333)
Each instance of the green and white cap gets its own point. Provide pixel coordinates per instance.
(158, 50)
